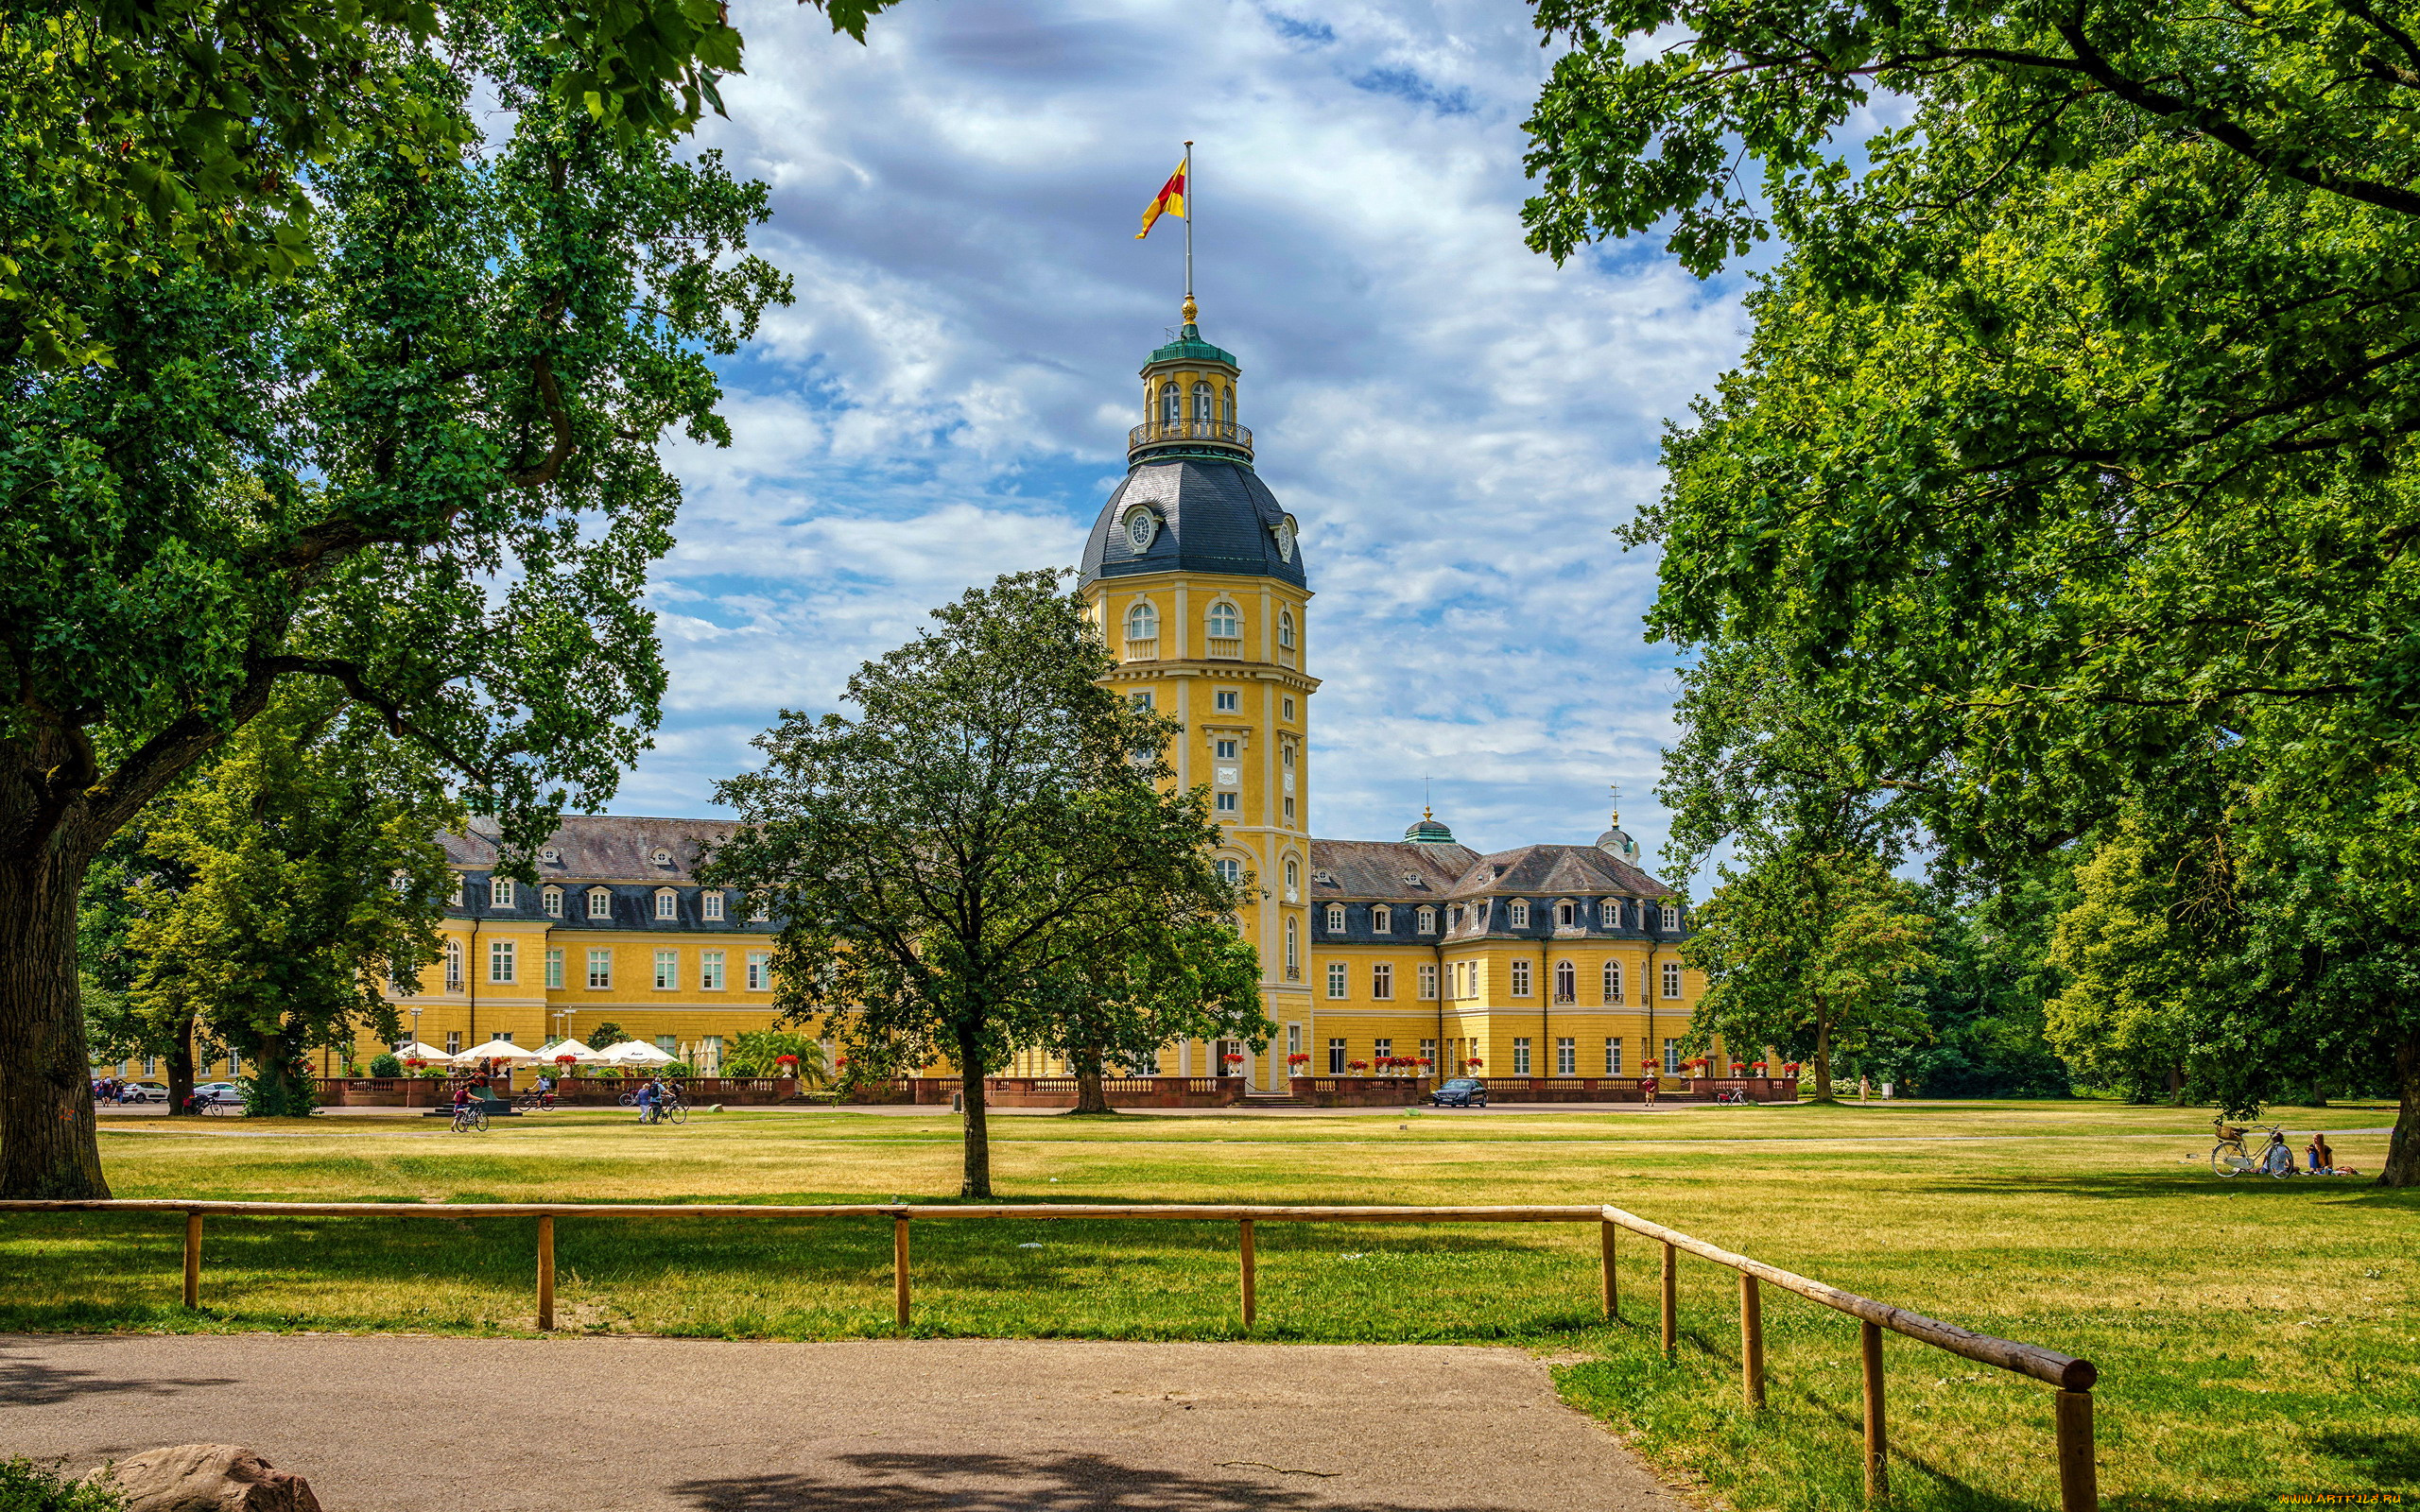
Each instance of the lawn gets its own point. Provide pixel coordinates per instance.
(2254, 1337)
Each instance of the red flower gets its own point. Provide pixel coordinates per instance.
(785, 1061)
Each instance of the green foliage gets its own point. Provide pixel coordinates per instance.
(385, 1064)
(950, 862)
(1810, 953)
(676, 1068)
(26, 1487)
(1196, 982)
(605, 1036)
(758, 1052)
(1983, 998)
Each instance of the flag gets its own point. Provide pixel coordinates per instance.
(1171, 201)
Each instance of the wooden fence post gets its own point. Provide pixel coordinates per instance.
(1605, 1243)
(545, 1272)
(899, 1269)
(193, 1259)
(1252, 1301)
(2079, 1491)
(1752, 1342)
(1671, 1299)
(1877, 1448)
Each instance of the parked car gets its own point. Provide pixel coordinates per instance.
(146, 1092)
(217, 1091)
(1462, 1092)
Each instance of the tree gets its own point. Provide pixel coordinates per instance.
(1985, 999)
(312, 874)
(990, 823)
(758, 1052)
(1200, 982)
(1810, 952)
(420, 469)
(605, 1036)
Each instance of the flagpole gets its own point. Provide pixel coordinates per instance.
(1189, 222)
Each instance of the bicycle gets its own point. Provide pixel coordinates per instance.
(2230, 1156)
(216, 1109)
(668, 1111)
(470, 1119)
(535, 1102)
(1737, 1096)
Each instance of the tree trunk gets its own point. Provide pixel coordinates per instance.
(276, 1092)
(1822, 1055)
(49, 1147)
(181, 1069)
(2403, 1146)
(978, 1136)
(1089, 1096)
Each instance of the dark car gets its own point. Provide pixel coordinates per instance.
(1462, 1092)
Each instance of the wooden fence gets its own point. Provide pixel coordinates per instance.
(2071, 1379)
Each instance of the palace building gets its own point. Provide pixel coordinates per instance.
(1545, 960)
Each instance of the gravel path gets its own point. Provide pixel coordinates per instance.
(525, 1425)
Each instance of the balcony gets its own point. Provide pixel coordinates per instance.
(1224, 436)
(1143, 650)
(1225, 648)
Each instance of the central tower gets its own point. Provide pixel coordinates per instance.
(1195, 577)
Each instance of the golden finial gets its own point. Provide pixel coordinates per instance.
(1191, 310)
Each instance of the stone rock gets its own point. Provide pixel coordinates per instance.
(207, 1478)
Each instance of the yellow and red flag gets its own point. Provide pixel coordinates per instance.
(1171, 201)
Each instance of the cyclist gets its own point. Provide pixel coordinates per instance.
(648, 1095)
(461, 1097)
(545, 1090)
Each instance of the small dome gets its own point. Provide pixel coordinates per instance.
(1616, 842)
(1429, 831)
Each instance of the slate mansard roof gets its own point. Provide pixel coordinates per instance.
(611, 851)
(1214, 517)
(1358, 873)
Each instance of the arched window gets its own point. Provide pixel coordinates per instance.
(1171, 404)
(1382, 920)
(1285, 629)
(1613, 981)
(1293, 880)
(1566, 915)
(1566, 982)
(1142, 621)
(1426, 920)
(1228, 395)
(1336, 919)
(1204, 404)
(1293, 952)
(453, 966)
(1518, 916)
(1224, 622)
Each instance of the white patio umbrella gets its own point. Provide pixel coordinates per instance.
(635, 1053)
(570, 1047)
(496, 1050)
(416, 1051)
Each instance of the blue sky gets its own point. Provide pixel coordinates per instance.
(1457, 423)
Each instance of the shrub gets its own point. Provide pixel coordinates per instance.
(678, 1068)
(26, 1487)
(386, 1065)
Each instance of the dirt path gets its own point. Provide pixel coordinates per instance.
(397, 1424)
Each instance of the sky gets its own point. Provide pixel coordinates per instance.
(1457, 423)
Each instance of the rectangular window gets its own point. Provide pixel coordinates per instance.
(1229, 701)
(1293, 1040)
(553, 899)
(1231, 872)
(760, 971)
(1613, 914)
(461, 890)
(1226, 750)
(1382, 1048)
(554, 965)
(453, 1041)
(1290, 709)
(1428, 1051)
(667, 971)
(600, 904)
(1336, 1058)
(1382, 981)
(1672, 921)
(668, 905)
(1289, 811)
(1672, 979)
(600, 968)
(1613, 1056)
(1230, 803)
(1566, 1057)
(710, 906)
(710, 971)
(1671, 1057)
(1336, 973)
(500, 893)
(1521, 1057)
(1520, 979)
(1427, 981)
(500, 960)
(1612, 983)
(1140, 700)
(670, 1044)
(147, 1063)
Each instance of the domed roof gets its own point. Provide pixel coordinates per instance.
(1196, 514)
(1616, 842)
(1429, 830)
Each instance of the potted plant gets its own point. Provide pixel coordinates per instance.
(1298, 1064)
(1759, 1067)
(1356, 1067)
(1230, 1060)
(1474, 1063)
(1739, 1070)
(788, 1065)
(1790, 1069)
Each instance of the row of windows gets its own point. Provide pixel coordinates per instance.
(1223, 620)
(1226, 700)
(504, 967)
(1466, 980)
(1567, 1055)
(1207, 403)
(1567, 914)
(503, 893)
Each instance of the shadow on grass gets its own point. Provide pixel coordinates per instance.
(2184, 1182)
(2382, 1459)
(27, 1383)
(1014, 1483)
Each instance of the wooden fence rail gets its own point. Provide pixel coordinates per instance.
(2072, 1377)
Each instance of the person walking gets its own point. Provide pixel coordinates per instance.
(1646, 1086)
(1864, 1088)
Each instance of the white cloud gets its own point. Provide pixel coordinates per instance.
(1458, 423)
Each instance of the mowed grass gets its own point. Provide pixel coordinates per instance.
(2254, 1337)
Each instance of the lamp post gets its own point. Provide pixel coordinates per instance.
(416, 1038)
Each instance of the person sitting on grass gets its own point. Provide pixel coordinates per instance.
(2278, 1159)
(2322, 1160)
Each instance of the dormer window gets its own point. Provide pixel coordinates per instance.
(600, 904)
(1613, 914)
(1426, 921)
(551, 856)
(662, 857)
(1672, 921)
(1382, 920)
(1517, 915)
(667, 903)
(500, 892)
(1336, 919)
(1566, 915)
(552, 900)
(710, 906)
(1453, 917)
